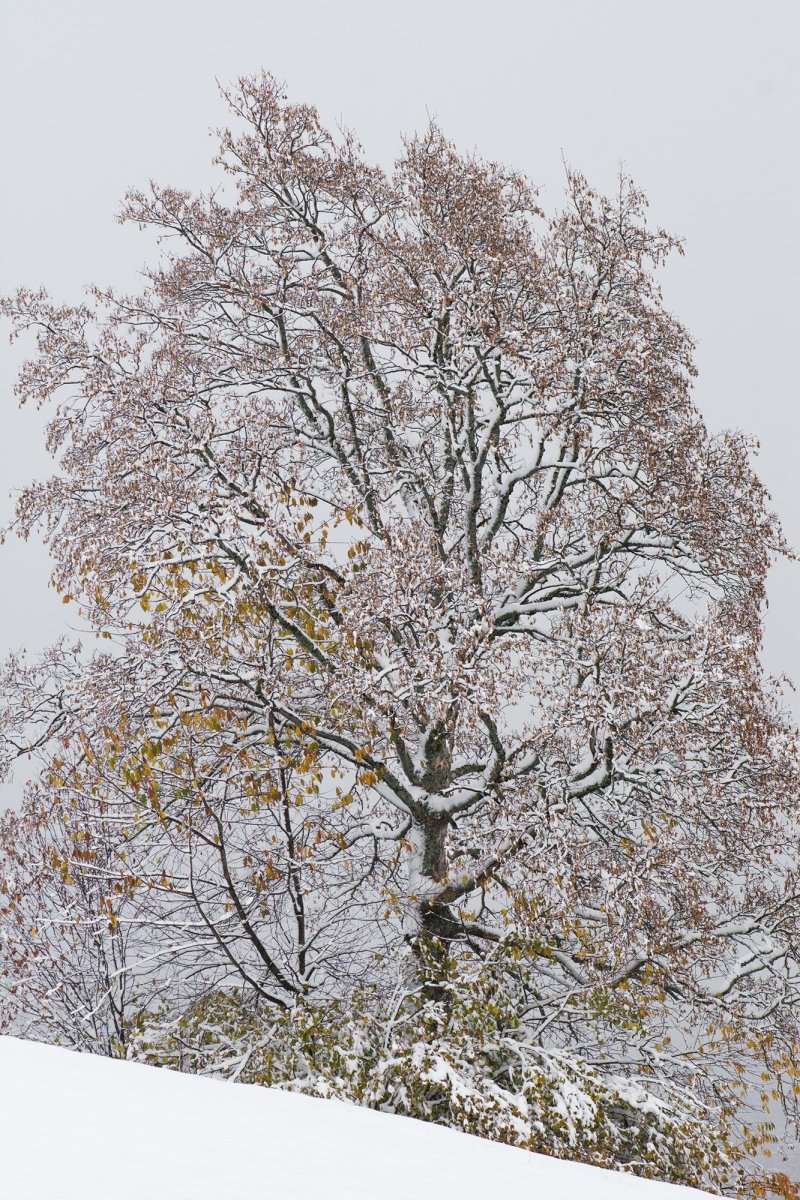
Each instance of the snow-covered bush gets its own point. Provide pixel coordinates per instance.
(460, 1057)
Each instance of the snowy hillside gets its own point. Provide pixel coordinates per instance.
(74, 1127)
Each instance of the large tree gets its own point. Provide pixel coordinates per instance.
(434, 610)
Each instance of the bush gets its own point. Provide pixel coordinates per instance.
(459, 1058)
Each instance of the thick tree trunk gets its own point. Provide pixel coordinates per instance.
(437, 927)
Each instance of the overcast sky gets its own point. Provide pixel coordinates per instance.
(697, 99)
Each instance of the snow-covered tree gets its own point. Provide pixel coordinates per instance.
(434, 615)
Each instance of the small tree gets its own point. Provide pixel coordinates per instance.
(436, 609)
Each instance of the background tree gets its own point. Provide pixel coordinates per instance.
(435, 617)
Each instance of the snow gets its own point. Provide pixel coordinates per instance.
(77, 1127)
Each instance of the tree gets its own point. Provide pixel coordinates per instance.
(434, 613)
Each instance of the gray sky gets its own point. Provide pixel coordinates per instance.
(698, 99)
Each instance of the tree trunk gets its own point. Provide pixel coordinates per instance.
(437, 927)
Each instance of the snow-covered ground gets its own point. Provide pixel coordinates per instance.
(75, 1127)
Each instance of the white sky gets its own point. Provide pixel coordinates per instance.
(697, 98)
